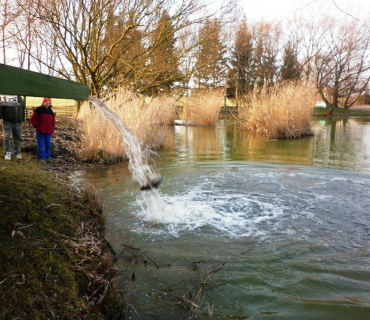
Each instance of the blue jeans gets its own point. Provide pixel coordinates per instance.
(12, 136)
(43, 145)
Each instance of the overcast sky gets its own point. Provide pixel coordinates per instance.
(280, 9)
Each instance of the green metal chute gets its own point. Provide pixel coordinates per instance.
(16, 81)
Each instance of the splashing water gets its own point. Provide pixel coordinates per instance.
(141, 171)
(157, 210)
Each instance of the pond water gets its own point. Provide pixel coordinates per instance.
(248, 228)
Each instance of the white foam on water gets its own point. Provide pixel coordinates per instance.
(235, 214)
(243, 203)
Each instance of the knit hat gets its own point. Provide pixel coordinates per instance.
(45, 100)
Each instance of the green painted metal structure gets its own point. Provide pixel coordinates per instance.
(16, 81)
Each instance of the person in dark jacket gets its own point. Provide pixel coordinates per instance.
(43, 120)
(12, 115)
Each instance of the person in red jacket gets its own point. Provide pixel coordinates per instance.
(43, 120)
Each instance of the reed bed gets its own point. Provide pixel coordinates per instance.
(283, 111)
(202, 108)
(145, 118)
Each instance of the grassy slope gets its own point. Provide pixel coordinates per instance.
(35, 102)
(341, 113)
(43, 270)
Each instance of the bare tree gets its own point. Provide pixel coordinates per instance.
(306, 35)
(28, 41)
(80, 33)
(8, 13)
(342, 66)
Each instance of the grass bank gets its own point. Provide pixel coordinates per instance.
(54, 261)
(340, 113)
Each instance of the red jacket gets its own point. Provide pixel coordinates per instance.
(43, 120)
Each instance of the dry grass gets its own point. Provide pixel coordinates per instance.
(147, 118)
(282, 111)
(202, 108)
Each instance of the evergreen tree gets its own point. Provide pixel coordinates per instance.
(291, 69)
(266, 51)
(163, 62)
(210, 62)
(128, 50)
(241, 61)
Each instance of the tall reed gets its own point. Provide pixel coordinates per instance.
(146, 118)
(202, 107)
(282, 111)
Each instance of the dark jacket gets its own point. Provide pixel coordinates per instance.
(12, 111)
(43, 120)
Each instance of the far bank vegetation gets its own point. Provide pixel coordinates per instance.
(202, 107)
(282, 111)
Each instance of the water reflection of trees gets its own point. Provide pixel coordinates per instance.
(227, 142)
(341, 143)
(201, 143)
(244, 146)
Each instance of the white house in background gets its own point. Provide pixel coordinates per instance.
(320, 104)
